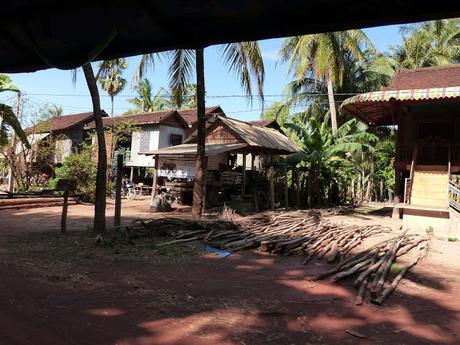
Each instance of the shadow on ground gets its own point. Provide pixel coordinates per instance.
(187, 297)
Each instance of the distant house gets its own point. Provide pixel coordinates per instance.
(423, 103)
(67, 132)
(153, 130)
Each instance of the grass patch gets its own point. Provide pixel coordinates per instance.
(452, 239)
(429, 231)
(395, 268)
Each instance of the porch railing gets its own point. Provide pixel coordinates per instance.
(407, 190)
(454, 195)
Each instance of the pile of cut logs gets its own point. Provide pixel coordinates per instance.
(306, 233)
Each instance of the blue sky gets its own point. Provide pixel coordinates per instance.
(54, 86)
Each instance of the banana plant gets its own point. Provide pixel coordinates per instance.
(7, 116)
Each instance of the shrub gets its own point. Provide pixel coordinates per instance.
(79, 166)
(429, 231)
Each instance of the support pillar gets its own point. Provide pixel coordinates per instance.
(286, 188)
(243, 177)
(117, 218)
(155, 180)
(271, 173)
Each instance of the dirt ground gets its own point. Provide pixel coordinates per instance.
(61, 289)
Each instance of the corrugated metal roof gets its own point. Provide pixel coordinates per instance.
(426, 78)
(60, 123)
(372, 107)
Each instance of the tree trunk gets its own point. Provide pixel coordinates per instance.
(332, 110)
(101, 183)
(200, 166)
(111, 100)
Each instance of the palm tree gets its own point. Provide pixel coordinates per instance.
(242, 58)
(7, 116)
(145, 101)
(323, 58)
(433, 43)
(110, 77)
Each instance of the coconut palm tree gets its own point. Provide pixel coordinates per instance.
(110, 77)
(433, 43)
(323, 58)
(145, 101)
(242, 58)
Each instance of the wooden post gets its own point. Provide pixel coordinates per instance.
(271, 174)
(155, 180)
(117, 219)
(243, 177)
(286, 188)
(205, 182)
(131, 174)
(255, 182)
(297, 192)
(65, 207)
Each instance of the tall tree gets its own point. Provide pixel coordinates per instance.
(433, 43)
(101, 181)
(146, 101)
(110, 77)
(323, 58)
(242, 58)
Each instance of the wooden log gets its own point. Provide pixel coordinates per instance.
(361, 292)
(382, 273)
(349, 272)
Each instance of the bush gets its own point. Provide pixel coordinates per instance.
(79, 166)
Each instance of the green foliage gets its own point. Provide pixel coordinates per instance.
(81, 167)
(429, 231)
(7, 116)
(433, 43)
(395, 268)
(452, 239)
(122, 132)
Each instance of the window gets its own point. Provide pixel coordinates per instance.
(144, 141)
(175, 139)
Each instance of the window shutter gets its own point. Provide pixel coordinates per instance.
(145, 141)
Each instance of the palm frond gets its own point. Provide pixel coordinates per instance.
(180, 73)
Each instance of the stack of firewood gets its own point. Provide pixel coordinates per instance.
(373, 269)
(307, 233)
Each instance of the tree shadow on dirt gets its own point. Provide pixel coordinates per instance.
(246, 298)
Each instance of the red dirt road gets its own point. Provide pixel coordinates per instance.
(197, 299)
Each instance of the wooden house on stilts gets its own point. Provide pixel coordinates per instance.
(424, 104)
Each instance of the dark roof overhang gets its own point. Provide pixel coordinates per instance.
(39, 34)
